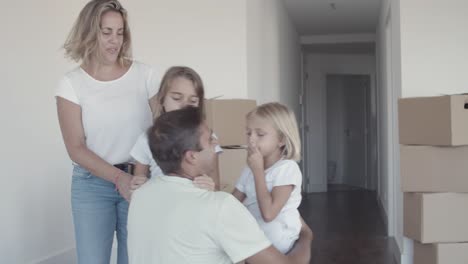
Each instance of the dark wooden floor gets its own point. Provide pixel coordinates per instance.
(347, 226)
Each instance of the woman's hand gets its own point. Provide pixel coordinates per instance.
(204, 182)
(123, 183)
(137, 181)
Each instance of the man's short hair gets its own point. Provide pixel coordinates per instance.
(173, 134)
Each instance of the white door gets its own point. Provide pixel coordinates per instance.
(355, 143)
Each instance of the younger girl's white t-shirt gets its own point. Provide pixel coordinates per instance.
(113, 113)
(285, 228)
(141, 152)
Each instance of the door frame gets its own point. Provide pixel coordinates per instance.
(315, 69)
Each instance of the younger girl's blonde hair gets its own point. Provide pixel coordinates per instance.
(82, 42)
(284, 120)
(166, 82)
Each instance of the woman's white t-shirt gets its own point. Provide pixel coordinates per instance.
(285, 228)
(113, 113)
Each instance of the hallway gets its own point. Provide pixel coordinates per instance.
(347, 226)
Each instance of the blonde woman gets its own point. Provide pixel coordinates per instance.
(103, 106)
(270, 187)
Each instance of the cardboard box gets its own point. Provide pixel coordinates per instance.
(434, 169)
(438, 121)
(436, 217)
(231, 164)
(227, 119)
(455, 253)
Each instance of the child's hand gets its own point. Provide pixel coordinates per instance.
(254, 158)
(137, 181)
(204, 182)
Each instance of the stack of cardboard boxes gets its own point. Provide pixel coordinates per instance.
(434, 177)
(227, 119)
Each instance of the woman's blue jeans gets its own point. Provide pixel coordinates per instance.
(98, 211)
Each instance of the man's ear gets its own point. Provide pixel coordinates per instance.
(190, 156)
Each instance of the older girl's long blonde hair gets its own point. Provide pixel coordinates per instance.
(166, 82)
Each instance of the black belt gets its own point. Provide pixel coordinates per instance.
(126, 166)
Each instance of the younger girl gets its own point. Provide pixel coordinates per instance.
(180, 86)
(270, 187)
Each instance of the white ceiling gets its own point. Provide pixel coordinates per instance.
(325, 17)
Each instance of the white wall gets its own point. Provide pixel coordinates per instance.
(273, 54)
(35, 200)
(390, 82)
(434, 54)
(274, 62)
(428, 56)
(208, 35)
(317, 66)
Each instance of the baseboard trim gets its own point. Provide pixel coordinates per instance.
(68, 256)
(408, 251)
(383, 213)
(314, 188)
(395, 251)
(64, 256)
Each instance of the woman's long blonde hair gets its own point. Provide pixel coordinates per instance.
(82, 42)
(284, 120)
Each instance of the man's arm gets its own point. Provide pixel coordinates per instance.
(300, 254)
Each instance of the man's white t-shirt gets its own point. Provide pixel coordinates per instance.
(113, 113)
(172, 221)
(285, 228)
(141, 152)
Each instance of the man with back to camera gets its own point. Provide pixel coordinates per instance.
(172, 221)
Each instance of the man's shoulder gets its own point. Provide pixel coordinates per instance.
(161, 183)
(219, 197)
(145, 190)
(219, 202)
